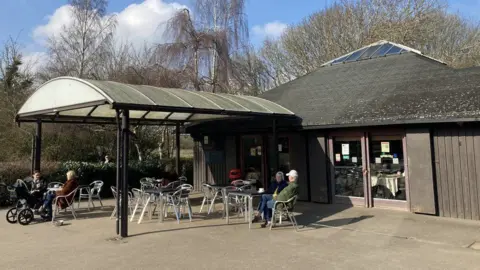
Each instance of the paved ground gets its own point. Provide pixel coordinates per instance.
(335, 238)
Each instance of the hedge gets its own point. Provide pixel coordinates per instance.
(89, 171)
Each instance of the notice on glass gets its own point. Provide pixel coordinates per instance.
(338, 157)
(253, 152)
(378, 160)
(385, 147)
(205, 140)
(345, 149)
(279, 148)
(346, 157)
(354, 160)
(396, 161)
(259, 150)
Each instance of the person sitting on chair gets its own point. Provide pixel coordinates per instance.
(70, 185)
(273, 190)
(38, 186)
(287, 193)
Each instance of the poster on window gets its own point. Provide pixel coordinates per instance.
(385, 147)
(253, 151)
(345, 149)
(354, 160)
(259, 150)
(338, 157)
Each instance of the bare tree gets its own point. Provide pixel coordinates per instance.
(82, 45)
(350, 24)
(203, 46)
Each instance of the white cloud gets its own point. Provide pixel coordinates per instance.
(137, 23)
(269, 30)
(33, 61)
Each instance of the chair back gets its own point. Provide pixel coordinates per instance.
(70, 197)
(186, 187)
(114, 191)
(183, 179)
(174, 184)
(208, 191)
(291, 202)
(21, 183)
(96, 187)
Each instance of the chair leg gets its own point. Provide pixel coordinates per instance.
(73, 211)
(272, 221)
(100, 201)
(293, 220)
(134, 210)
(203, 202)
(54, 212)
(189, 210)
(176, 209)
(114, 212)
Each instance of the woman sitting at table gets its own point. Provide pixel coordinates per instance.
(70, 185)
(275, 187)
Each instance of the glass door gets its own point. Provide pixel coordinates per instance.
(252, 158)
(387, 181)
(348, 180)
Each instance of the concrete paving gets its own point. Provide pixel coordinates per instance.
(331, 237)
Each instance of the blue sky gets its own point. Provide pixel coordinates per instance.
(30, 21)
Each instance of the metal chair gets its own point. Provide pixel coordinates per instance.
(89, 192)
(69, 199)
(177, 200)
(95, 189)
(174, 184)
(280, 208)
(146, 183)
(140, 198)
(115, 194)
(210, 195)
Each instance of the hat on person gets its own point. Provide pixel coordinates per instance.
(292, 173)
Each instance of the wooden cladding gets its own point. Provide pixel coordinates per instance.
(457, 168)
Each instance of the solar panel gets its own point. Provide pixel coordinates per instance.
(341, 59)
(354, 56)
(383, 49)
(394, 50)
(368, 53)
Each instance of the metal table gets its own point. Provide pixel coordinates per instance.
(158, 193)
(220, 188)
(247, 195)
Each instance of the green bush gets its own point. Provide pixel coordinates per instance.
(90, 171)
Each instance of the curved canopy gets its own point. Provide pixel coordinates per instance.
(68, 99)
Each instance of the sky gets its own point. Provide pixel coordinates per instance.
(30, 22)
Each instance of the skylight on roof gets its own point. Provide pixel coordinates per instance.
(379, 49)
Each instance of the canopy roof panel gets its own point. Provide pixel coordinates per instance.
(68, 99)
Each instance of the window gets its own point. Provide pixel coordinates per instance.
(387, 172)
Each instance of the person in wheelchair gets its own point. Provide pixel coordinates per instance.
(70, 185)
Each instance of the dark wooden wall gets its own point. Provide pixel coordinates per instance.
(298, 162)
(209, 166)
(420, 171)
(199, 166)
(230, 154)
(457, 170)
(317, 153)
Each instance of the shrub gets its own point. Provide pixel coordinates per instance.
(90, 171)
(11, 171)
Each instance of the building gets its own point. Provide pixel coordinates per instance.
(383, 126)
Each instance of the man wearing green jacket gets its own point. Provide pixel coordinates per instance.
(287, 193)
